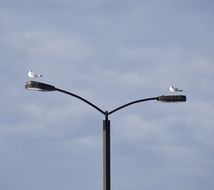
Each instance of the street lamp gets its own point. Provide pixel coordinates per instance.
(38, 86)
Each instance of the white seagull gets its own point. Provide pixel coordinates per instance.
(174, 89)
(33, 75)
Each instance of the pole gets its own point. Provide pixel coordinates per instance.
(34, 85)
(106, 154)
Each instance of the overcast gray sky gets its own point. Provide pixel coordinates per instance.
(110, 52)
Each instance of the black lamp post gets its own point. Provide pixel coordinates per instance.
(38, 86)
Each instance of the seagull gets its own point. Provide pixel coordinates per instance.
(33, 75)
(174, 89)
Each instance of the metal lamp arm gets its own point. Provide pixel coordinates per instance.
(82, 99)
(130, 103)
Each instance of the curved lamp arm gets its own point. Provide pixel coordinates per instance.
(80, 98)
(163, 98)
(38, 86)
(133, 102)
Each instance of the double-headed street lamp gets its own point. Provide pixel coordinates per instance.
(38, 86)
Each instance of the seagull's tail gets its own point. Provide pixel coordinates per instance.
(40, 75)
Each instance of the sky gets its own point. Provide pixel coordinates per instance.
(109, 52)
